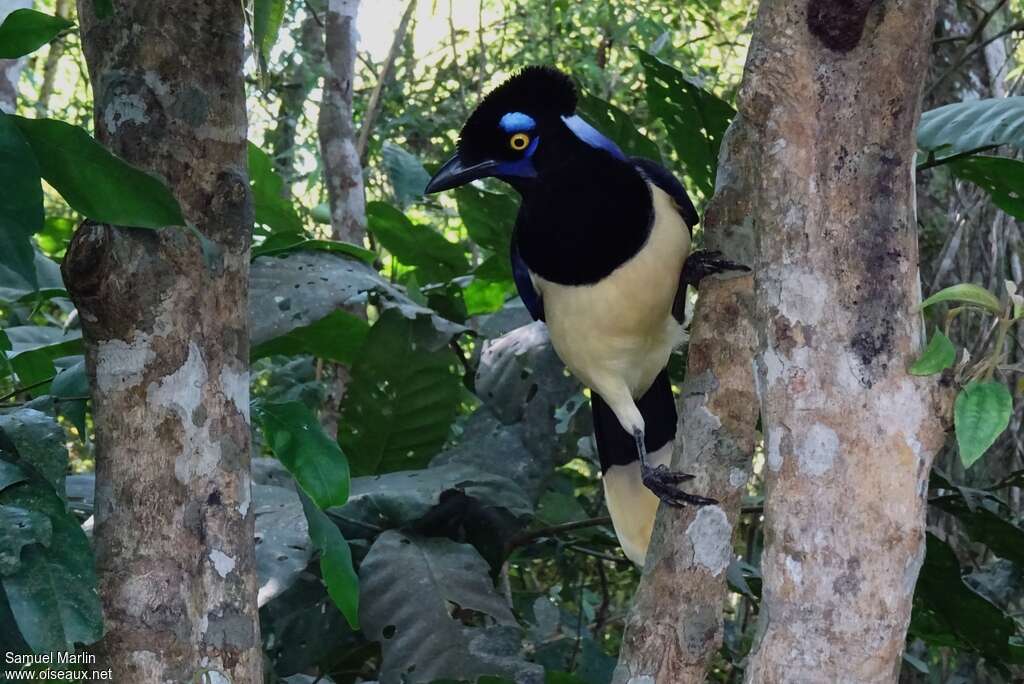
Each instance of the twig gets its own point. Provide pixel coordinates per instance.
(555, 530)
(932, 163)
(1012, 28)
(26, 388)
(597, 554)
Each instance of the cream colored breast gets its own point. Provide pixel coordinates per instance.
(622, 326)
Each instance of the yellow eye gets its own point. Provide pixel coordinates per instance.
(519, 142)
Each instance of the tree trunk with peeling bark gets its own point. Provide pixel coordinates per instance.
(167, 349)
(343, 173)
(832, 92)
(675, 625)
(10, 69)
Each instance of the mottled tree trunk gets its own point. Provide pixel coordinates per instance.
(832, 91)
(167, 349)
(10, 69)
(343, 173)
(675, 626)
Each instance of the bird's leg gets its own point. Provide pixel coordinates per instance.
(704, 262)
(663, 482)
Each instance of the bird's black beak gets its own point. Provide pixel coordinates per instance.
(455, 173)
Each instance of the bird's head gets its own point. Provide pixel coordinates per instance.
(523, 127)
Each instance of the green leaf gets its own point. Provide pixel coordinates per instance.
(10, 474)
(405, 172)
(336, 337)
(937, 357)
(315, 460)
(20, 527)
(34, 349)
(53, 596)
(96, 183)
(47, 284)
(402, 397)
(1001, 178)
(38, 442)
(489, 218)
(968, 293)
(68, 389)
(436, 259)
(267, 17)
(335, 561)
(271, 208)
(948, 612)
(21, 202)
(965, 126)
(616, 124)
(980, 414)
(695, 118)
(486, 296)
(25, 30)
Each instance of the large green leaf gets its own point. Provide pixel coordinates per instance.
(967, 293)
(21, 202)
(20, 527)
(435, 258)
(411, 586)
(1001, 178)
(489, 218)
(336, 337)
(288, 243)
(95, 182)
(986, 526)
(53, 596)
(402, 398)
(616, 124)
(10, 474)
(25, 30)
(408, 177)
(937, 357)
(272, 209)
(695, 118)
(980, 414)
(314, 459)
(948, 612)
(335, 561)
(965, 126)
(14, 287)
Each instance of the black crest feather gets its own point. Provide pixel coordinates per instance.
(539, 91)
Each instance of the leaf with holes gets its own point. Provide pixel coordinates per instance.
(21, 203)
(25, 30)
(695, 118)
(20, 527)
(96, 183)
(432, 606)
(336, 337)
(1001, 178)
(937, 357)
(965, 126)
(967, 293)
(314, 459)
(980, 414)
(335, 561)
(402, 398)
(38, 442)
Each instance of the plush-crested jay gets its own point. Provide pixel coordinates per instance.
(601, 253)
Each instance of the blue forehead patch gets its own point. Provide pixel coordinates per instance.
(514, 122)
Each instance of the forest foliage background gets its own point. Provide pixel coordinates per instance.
(450, 492)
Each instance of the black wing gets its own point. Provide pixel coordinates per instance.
(664, 179)
(521, 275)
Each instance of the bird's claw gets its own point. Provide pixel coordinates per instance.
(663, 483)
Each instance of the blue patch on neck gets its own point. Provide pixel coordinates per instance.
(592, 136)
(515, 122)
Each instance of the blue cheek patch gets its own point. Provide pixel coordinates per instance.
(521, 167)
(517, 122)
(592, 136)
